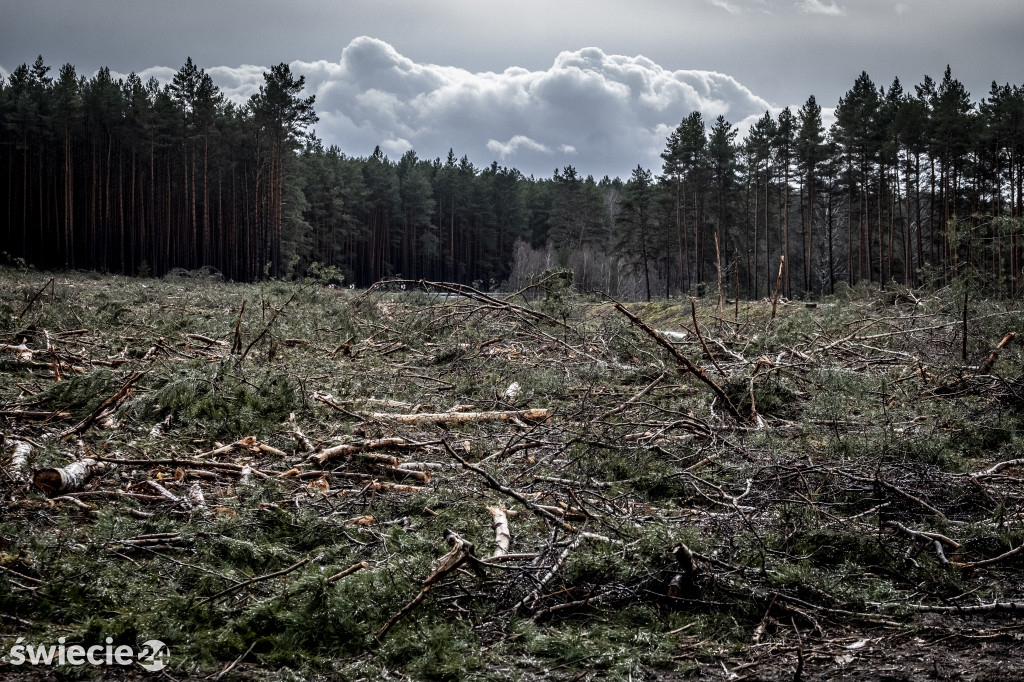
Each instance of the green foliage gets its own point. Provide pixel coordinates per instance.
(220, 402)
(80, 394)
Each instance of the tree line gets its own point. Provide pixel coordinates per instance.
(915, 187)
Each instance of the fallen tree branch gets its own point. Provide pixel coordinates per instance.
(912, 498)
(555, 568)
(988, 562)
(461, 552)
(109, 403)
(491, 481)
(999, 467)
(696, 325)
(349, 571)
(252, 581)
(470, 292)
(993, 607)
(263, 333)
(986, 366)
(682, 360)
(346, 449)
(34, 298)
(534, 415)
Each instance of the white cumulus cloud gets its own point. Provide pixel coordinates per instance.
(602, 113)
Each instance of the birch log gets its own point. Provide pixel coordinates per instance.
(68, 479)
(19, 461)
(502, 536)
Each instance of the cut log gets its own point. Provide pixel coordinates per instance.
(502, 536)
(68, 479)
(195, 495)
(422, 476)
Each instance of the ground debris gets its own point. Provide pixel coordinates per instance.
(447, 482)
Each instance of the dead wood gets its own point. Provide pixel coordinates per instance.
(502, 535)
(533, 415)
(493, 483)
(266, 329)
(700, 337)
(935, 540)
(162, 491)
(252, 581)
(19, 467)
(34, 415)
(986, 366)
(471, 293)
(988, 562)
(22, 352)
(198, 463)
(346, 449)
(778, 289)
(236, 347)
(461, 552)
(349, 571)
(49, 283)
(992, 607)
(555, 568)
(206, 339)
(108, 404)
(682, 360)
(992, 471)
(70, 478)
(913, 498)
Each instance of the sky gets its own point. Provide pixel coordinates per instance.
(531, 84)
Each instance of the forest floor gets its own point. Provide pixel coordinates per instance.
(289, 481)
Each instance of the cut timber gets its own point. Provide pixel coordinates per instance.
(502, 536)
(535, 415)
(21, 351)
(68, 479)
